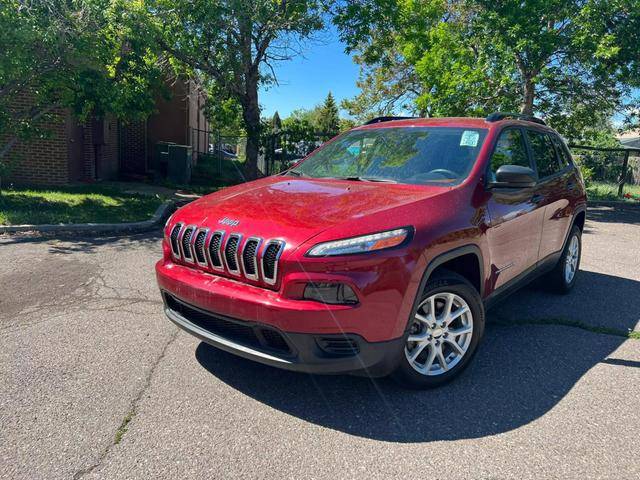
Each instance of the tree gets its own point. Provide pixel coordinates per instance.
(79, 55)
(233, 43)
(328, 118)
(553, 57)
(276, 123)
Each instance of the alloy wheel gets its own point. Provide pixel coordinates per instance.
(571, 260)
(440, 334)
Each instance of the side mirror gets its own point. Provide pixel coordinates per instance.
(514, 176)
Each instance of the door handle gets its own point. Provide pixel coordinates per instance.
(537, 198)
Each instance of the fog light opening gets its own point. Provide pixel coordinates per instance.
(330, 293)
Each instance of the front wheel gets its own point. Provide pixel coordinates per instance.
(443, 333)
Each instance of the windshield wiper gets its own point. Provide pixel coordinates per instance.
(295, 173)
(368, 179)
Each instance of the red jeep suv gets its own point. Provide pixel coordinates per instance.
(379, 252)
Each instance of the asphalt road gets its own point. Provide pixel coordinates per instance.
(96, 383)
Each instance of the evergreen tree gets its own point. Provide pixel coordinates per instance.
(328, 119)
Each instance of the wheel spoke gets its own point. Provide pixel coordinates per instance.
(441, 360)
(420, 337)
(461, 331)
(417, 351)
(428, 320)
(430, 358)
(457, 314)
(447, 308)
(455, 346)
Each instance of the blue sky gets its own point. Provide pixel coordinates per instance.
(306, 81)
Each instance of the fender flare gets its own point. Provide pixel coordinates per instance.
(440, 260)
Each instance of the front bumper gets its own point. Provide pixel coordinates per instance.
(311, 353)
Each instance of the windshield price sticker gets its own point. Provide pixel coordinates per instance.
(469, 138)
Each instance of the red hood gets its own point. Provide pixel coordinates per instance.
(296, 209)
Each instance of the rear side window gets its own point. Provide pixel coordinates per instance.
(563, 154)
(544, 154)
(510, 150)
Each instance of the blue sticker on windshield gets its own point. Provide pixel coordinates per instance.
(354, 150)
(469, 138)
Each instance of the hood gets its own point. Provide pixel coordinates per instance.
(296, 209)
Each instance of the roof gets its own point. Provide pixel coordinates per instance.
(469, 122)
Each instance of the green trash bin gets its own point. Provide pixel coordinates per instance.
(179, 166)
(160, 160)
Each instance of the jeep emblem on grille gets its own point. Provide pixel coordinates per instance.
(228, 221)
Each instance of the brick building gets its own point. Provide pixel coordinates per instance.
(105, 148)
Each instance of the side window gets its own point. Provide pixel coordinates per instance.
(544, 154)
(510, 150)
(565, 159)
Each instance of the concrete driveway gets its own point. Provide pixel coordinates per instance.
(96, 383)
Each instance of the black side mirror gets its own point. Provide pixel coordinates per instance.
(514, 176)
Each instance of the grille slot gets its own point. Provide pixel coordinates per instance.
(198, 248)
(339, 346)
(231, 253)
(250, 335)
(250, 258)
(185, 243)
(214, 250)
(270, 258)
(175, 233)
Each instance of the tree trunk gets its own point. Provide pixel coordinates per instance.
(251, 117)
(527, 100)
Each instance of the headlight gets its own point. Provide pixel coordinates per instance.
(365, 243)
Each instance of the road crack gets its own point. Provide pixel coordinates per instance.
(132, 412)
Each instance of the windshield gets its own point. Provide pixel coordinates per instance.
(415, 155)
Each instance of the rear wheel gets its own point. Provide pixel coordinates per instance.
(563, 276)
(443, 333)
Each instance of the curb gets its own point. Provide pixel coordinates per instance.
(160, 215)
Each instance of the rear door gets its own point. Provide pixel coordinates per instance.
(516, 218)
(554, 178)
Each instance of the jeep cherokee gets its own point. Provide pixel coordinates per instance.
(379, 252)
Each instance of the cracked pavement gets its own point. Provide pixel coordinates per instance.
(85, 352)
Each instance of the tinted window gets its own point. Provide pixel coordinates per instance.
(565, 159)
(510, 150)
(414, 155)
(544, 154)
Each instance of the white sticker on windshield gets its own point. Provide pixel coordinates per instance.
(469, 138)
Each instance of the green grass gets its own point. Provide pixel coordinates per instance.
(609, 191)
(74, 204)
(122, 429)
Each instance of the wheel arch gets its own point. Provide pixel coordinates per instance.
(466, 261)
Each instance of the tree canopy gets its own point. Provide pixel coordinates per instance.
(557, 58)
(234, 44)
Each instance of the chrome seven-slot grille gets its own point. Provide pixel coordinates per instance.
(227, 253)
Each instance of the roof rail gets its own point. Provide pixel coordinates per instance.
(496, 116)
(386, 119)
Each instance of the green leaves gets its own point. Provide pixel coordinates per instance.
(470, 57)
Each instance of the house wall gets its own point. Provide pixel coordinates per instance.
(169, 122)
(132, 137)
(43, 160)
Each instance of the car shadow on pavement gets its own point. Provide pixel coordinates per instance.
(520, 373)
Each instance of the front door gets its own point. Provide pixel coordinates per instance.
(516, 216)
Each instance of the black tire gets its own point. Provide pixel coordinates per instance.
(442, 282)
(556, 279)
